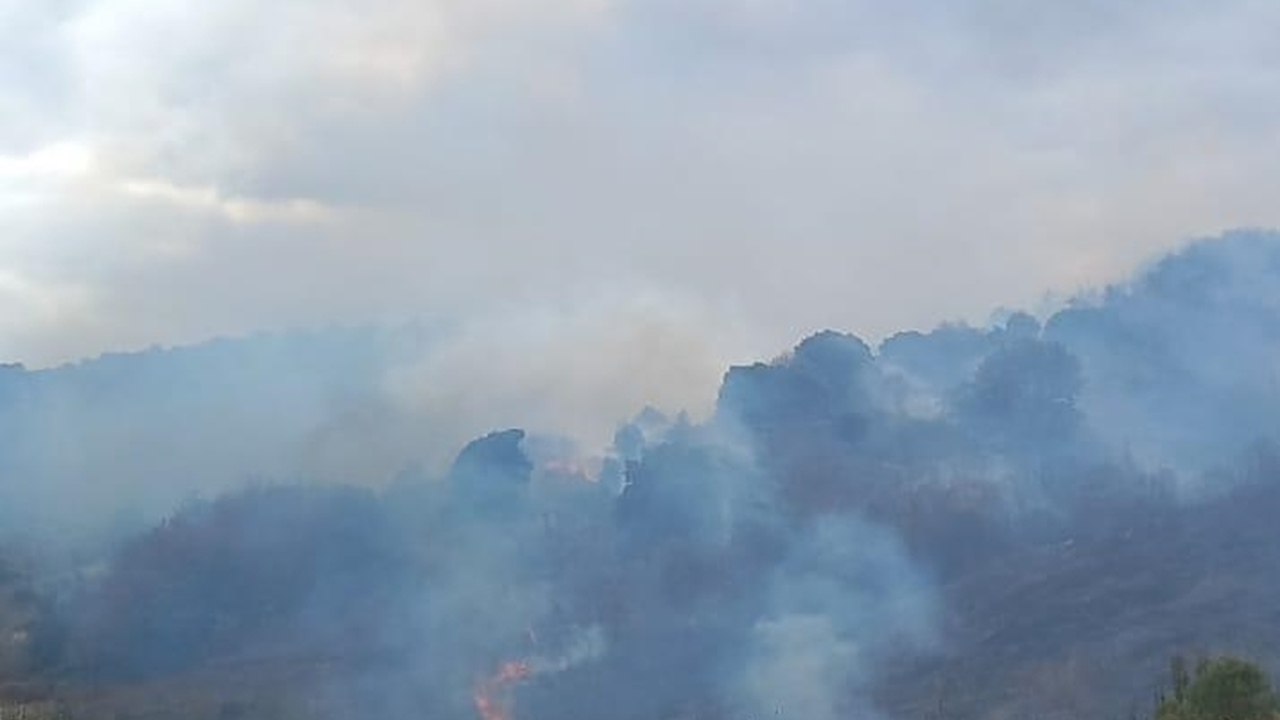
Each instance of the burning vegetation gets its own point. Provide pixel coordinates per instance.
(967, 522)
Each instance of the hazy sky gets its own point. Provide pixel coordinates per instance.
(731, 174)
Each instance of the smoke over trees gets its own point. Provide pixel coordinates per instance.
(847, 522)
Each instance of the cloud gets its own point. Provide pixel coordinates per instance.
(798, 164)
(209, 200)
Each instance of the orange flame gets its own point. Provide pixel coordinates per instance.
(488, 704)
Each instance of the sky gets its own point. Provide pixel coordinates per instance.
(716, 178)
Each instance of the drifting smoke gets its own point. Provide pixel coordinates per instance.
(488, 704)
(775, 560)
(133, 435)
(847, 596)
(489, 696)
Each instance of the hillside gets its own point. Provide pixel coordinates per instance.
(1025, 520)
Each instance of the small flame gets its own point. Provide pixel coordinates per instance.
(488, 705)
(492, 694)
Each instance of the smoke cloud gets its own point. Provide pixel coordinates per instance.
(304, 504)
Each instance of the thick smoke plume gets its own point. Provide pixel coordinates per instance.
(825, 533)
